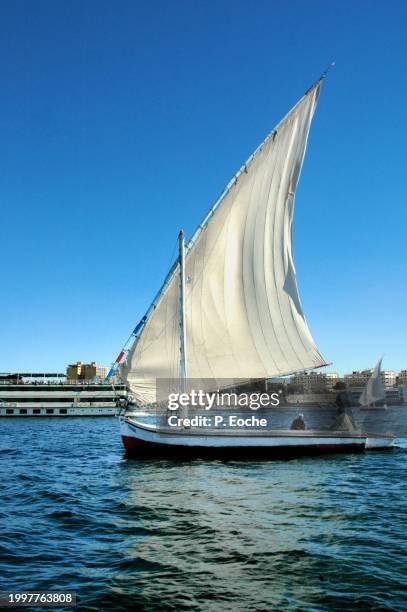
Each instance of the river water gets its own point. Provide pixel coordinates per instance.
(307, 534)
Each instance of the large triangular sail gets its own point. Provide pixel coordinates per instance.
(244, 318)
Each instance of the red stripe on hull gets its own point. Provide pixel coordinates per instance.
(140, 449)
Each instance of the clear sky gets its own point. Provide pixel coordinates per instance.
(122, 121)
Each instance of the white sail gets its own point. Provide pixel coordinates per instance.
(374, 390)
(244, 317)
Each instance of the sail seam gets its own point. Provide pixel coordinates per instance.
(224, 290)
(301, 162)
(268, 182)
(290, 342)
(289, 254)
(272, 211)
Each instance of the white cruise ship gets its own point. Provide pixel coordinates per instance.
(48, 395)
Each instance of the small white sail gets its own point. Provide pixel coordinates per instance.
(244, 317)
(374, 390)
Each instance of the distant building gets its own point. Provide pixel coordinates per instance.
(331, 379)
(402, 378)
(357, 378)
(85, 371)
(360, 378)
(389, 378)
(314, 382)
(395, 384)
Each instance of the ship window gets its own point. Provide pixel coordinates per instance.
(23, 411)
(63, 411)
(9, 411)
(36, 411)
(50, 411)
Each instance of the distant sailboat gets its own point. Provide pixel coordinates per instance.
(229, 307)
(374, 392)
(374, 389)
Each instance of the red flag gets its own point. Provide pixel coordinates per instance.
(120, 357)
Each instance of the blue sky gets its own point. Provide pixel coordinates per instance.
(122, 121)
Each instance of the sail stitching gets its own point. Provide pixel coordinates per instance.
(280, 187)
(300, 165)
(269, 180)
(271, 211)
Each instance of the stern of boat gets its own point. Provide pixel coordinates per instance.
(380, 442)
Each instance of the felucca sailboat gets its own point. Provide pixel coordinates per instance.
(372, 393)
(374, 390)
(229, 307)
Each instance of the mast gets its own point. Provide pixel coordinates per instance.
(182, 328)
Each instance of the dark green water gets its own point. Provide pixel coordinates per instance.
(307, 534)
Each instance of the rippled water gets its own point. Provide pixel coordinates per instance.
(307, 534)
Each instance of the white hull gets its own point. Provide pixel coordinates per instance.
(145, 440)
(380, 443)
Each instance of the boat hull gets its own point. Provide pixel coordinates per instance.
(144, 441)
(380, 443)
